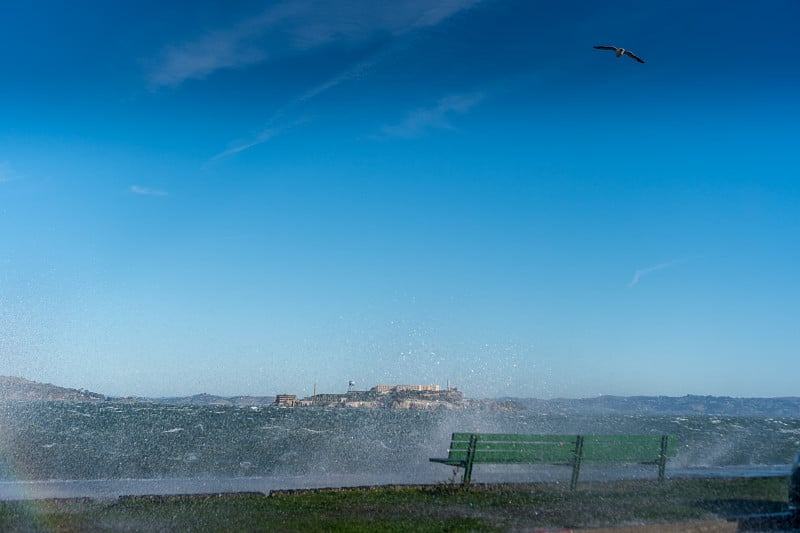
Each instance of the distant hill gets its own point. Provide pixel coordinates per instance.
(210, 399)
(668, 405)
(13, 388)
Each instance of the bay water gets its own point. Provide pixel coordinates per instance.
(157, 448)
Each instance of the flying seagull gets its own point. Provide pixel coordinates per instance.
(620, 52)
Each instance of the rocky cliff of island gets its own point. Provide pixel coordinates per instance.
(14, 388)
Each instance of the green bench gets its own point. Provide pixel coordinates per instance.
(468, 449)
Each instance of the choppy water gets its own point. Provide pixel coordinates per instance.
(115, 441)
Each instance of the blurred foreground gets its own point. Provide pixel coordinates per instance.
(755, 504)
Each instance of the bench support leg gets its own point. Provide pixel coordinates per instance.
(473, 442)
(662, 458)
(576, 462)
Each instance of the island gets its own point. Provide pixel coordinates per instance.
(382, 397)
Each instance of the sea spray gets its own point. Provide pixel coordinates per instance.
(106, 440)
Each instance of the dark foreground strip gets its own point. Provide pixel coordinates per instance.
(362, 488)
(160, 498)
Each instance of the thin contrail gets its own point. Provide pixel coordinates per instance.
(145, 191)
(639, 273)
(264, 136)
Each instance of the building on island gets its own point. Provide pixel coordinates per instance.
(383, 389)
(388, 397)
(285, 400)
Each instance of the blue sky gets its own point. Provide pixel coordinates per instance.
(257, 198)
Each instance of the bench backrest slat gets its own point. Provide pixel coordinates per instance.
(509, 437)
(510, 448)
(622, 448)
(506, 448)
(464, 438)
(489, 456)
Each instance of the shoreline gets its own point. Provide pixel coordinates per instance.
(738, 504)
(110, 489)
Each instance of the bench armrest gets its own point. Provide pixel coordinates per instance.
(450, 462)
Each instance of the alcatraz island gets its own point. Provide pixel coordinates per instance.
(381, 397)
(425, 397)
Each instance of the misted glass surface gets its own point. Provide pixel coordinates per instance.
(230, 231)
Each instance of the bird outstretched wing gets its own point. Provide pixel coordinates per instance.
(606, 47)
(634, 56)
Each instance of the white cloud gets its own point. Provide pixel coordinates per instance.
(291, 26)
(421, 120)
(637, 276)
(199, 59)
(294, 26)
(234, 47)
(144, 191)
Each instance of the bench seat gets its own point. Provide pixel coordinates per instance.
(468, 449)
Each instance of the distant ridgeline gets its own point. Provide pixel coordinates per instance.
(12, 388)
(433, 397)
(788, 407)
